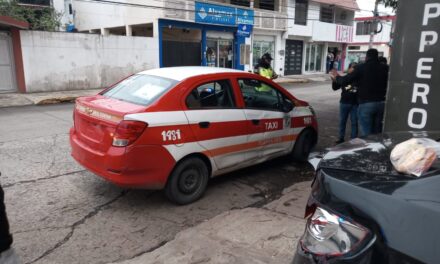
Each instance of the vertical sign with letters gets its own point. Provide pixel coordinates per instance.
(413, 98)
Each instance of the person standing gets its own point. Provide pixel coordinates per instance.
(372, 78)
(7, 254)
(263, 68)
(348, 106)
(329, 61)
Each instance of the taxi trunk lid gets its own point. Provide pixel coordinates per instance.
(96, 118)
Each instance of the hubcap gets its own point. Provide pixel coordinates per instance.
(189, 180)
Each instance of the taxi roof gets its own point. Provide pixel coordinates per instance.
(181, 73)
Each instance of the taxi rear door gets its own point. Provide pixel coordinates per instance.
(219, 126)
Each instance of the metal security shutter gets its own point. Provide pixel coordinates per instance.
(176, 53)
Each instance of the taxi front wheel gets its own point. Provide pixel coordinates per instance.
(303, 146)
(188, 181)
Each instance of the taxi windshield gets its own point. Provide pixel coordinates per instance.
(140, 89)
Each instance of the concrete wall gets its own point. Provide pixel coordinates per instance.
(55, 61)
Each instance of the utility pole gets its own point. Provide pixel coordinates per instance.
(372, 33)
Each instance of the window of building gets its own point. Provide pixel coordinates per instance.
(365, 27)
(327, 14)
(301, 12)
(35, 2)
(216, 94)
(266, 4)
(261, 47)
(240, 2)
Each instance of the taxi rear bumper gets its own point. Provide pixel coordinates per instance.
(143, 166)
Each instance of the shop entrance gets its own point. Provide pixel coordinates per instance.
(219, 53)
(181, 47)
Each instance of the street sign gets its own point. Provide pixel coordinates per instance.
(244, 30)
(413, 98)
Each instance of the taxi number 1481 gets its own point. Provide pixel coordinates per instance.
(171, 135)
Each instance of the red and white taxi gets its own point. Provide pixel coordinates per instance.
(174, 128)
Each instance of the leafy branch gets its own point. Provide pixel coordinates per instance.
(39, 18)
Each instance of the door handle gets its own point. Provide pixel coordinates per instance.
(256, 122)
(204, 124)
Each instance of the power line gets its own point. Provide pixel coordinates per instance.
(178, 9)
(190, 2)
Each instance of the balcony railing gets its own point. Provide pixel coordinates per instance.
(263, 19)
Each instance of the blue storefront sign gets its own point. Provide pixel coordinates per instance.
(245, 16)
(215, 14)
(244, 30)
(222, 15)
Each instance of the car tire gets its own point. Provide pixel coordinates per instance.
(188, 181)
(303, 146)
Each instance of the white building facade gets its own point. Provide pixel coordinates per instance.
(381, 41)
(299, 34)
(218, 33)
(318, 34)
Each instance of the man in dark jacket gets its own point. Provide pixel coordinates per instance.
(372, 77)
(348, 106)
(7, 255)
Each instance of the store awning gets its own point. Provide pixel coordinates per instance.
(347, 4)
(9, 22)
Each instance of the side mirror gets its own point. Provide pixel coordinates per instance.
(287, 107)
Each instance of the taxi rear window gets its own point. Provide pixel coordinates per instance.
(140, 89)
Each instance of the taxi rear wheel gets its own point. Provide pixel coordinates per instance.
(188, 181)
(303, 146)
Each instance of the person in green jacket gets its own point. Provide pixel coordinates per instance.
(264, 69)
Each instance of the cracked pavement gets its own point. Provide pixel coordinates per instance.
(61, 213)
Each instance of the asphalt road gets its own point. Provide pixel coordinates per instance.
(61, 213)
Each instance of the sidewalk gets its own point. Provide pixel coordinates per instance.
(18, 99)
(251, 235)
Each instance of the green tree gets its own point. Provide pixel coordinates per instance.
(44, 18)
(390, 3)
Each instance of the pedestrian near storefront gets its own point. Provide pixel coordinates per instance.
(7, 254)
(263, 68)
(372, 79)
(348, 107)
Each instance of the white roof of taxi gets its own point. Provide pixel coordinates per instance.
(181, 73)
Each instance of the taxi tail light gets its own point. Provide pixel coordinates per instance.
(328, 234)
(127, 132)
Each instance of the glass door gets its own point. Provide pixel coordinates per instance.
(313, 57)
(225, 54)
(219, 53)
(211, 53)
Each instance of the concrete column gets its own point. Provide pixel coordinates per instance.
(128, 30)
(105, 31)
(156, 29)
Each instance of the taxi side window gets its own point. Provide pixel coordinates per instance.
(260, 95)
(216, 94)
